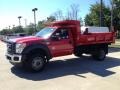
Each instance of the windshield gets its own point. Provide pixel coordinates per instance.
(45, 32)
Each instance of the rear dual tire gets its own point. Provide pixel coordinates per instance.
(99, 55)
(78, 54)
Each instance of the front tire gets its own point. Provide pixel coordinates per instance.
(35, 63)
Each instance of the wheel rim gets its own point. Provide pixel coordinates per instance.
(37, 63)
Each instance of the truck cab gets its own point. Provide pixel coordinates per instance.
(57, 39)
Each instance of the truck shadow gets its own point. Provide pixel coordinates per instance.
(74, 66)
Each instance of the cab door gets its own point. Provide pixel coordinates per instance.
(61, 43)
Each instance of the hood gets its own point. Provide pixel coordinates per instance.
(28, 39)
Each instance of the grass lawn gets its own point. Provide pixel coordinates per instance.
(118, 40)
(116, 44)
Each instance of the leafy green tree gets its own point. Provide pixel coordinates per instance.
(92, 19)
(88, 22)
(41, 24)
(6, 31)
(116, 11)
(116, 15)
(29, 29)
(51, 19)
(18, 29)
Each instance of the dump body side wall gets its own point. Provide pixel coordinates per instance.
(96, 38)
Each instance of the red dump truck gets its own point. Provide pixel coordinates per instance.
(59, 39)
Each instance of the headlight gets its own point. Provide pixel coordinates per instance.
(20, 47)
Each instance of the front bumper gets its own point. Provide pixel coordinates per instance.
(14, 58)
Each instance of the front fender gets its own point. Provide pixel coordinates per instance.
(29, 48)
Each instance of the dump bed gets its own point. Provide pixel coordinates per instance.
(95, 35)
(96, 38)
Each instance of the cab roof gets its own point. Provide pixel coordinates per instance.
(65, 23)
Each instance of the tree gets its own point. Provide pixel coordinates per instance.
(51, 19)
(73, 12)
(58, 15)
(88, 22)
(116, 14)
(92, 19)
(30, 29)
(4, 32)
(41, 24)
(81, 21)
(18, 29)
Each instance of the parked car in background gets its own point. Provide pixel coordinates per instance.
(12, 36)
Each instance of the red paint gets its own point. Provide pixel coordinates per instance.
(66, 46)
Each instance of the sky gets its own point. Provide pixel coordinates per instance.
(11, 9)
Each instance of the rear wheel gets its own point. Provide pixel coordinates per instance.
(78, 54)
(99, 55)
(35, 63)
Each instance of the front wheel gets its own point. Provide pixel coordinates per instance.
(35, 63)
(99, 55)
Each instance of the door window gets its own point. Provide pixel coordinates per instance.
(62, 34)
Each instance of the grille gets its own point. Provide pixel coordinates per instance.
(11, 47)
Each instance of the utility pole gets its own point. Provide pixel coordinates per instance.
(101, 13)
(9, 27)
(111, 14)
(19, 17)
(25, 22)
(34, 11)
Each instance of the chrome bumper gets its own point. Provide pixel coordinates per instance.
(14, 58)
